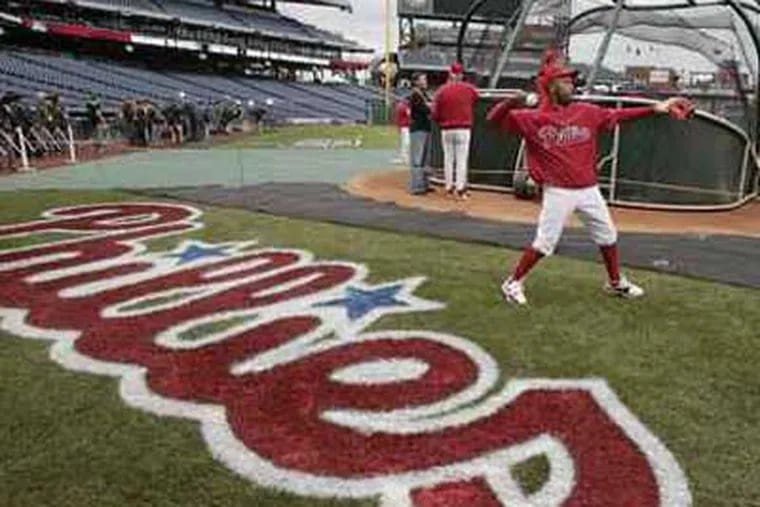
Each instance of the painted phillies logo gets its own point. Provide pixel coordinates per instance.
(265, 348)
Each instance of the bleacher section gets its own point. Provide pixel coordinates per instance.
(126, 5)
(28, 73)
(433, 48)
(230, 17)
(439, 58)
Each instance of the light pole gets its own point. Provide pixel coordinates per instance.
(387, 59)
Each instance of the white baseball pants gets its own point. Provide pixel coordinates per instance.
(559, 203)
(456, 154)
(404, 148)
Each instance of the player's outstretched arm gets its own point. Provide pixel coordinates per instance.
(677, 107)
(500, 113)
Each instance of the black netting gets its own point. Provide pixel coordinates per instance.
(695, 163)
(663, 29)
(711, 32)
(692, 163)
(704, 50)
(715, 32)
(431, 44)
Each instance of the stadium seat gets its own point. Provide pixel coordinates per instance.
(30, 73)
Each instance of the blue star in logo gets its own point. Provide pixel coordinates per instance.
(196, 251)
(360, 302)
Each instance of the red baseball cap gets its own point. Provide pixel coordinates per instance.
(552, 72)
(457, 69)
(551, 57)
(547, 74)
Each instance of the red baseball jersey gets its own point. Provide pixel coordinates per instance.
(453, 105)
(562, 142)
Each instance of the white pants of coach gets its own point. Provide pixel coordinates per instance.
(456, 154)
(559, 203)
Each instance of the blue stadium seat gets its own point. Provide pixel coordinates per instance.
(30, 73)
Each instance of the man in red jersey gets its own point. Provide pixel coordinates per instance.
(403, 120)
(562, 152)
(453, 110)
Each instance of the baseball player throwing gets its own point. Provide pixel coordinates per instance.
(562, 152)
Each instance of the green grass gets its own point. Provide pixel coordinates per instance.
(372, 137)
(684, 360)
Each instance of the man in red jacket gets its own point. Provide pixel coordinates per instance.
(562, 152)
(453, 107)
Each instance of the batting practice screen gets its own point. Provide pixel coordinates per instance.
(703, 163)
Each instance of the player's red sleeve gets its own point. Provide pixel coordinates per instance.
(612, 117)
(501, 114)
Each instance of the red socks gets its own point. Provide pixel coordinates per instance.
(529, 259)
(531, 256)
(611, 262)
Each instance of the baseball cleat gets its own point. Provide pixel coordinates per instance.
(624, 289)
(513, 293)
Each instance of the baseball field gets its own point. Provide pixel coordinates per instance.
(165, 350)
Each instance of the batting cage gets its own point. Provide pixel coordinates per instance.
(629, 53)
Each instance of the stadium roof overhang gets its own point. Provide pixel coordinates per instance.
(344, 5)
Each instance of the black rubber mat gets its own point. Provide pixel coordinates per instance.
(729, 259)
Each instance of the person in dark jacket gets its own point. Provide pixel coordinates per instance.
(419, 105)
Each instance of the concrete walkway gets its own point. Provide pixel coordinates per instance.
(232, 168)
(305, 183)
